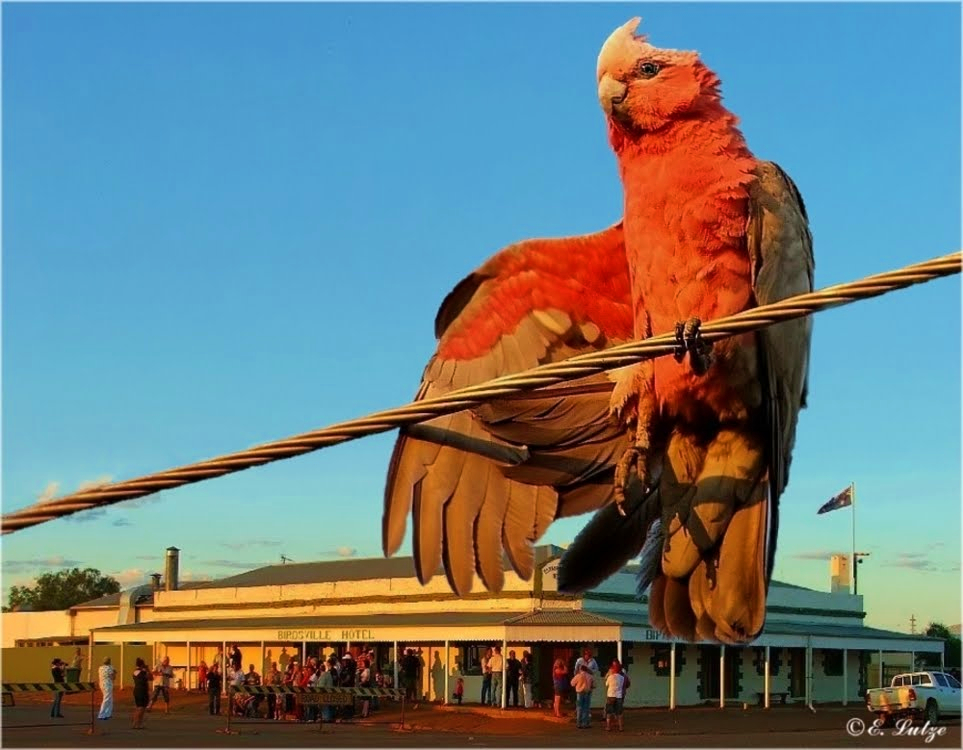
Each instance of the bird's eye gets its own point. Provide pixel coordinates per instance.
(648, 69)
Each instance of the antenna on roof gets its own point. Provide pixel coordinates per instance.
(285, 559)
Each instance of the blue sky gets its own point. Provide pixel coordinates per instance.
(226, 224)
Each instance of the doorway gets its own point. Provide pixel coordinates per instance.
(709, 670)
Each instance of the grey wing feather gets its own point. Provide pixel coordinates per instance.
(781, 251)
(484, 485)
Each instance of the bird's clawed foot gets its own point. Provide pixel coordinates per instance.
(623, 471)
(634, 457)
(690, 340)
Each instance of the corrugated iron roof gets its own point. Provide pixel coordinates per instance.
(347, 621)
(113, 600)
(333, 571)
(561, 617)
(775, 627)
(843, 631)
(330, 571)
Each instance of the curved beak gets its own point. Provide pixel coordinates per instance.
(611, 93)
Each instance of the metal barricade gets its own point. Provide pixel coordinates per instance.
(9, 689)
(313, 696)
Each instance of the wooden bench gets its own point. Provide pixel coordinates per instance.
(783, 698)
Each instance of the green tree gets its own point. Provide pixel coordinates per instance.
(951, 647)
(62, 590)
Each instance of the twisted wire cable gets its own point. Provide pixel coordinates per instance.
(509, 385)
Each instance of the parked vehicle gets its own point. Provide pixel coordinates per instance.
(916, 695)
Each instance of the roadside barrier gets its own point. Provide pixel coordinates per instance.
(313, 696)
(9, 689)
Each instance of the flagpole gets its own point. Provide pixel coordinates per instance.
(852, 491)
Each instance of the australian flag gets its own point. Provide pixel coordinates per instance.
(842, 500)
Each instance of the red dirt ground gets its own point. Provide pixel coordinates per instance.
(189, 725)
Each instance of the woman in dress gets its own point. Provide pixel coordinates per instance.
(106, 676)
(559, 681)
(141, 692)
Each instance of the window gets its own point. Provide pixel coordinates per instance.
(941, 680)
(832, 662)
(759, 661)
(954, 683)
(471, 658)
(662, 659)
(898, 681)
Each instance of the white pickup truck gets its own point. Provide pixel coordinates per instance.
(916, 695)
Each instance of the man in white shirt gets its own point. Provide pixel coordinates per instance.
(614, 694)
(497, 663)
(165, 671)
(588, 660)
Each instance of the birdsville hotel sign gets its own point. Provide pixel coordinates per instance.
(329, 635)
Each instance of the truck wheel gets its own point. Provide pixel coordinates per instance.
(885, 720)
(932, 714)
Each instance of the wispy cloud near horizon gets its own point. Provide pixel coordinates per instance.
(252, 543)
(39, 565)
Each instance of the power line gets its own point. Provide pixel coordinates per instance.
(464, 398)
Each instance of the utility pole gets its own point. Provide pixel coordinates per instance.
(913, 624)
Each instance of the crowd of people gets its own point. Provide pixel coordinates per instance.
(586, 673)
(345, 671)
(519, 678)
(152, 685)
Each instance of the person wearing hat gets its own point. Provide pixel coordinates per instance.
(57, 667)
(105, 676)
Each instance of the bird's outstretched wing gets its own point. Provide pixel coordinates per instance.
(477, 482)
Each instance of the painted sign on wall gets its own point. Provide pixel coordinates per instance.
(327, 635)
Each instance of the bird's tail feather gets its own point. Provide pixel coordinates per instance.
(715, 518)
(650, 559)
(607, 542)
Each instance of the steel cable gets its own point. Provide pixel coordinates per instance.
(539, 377)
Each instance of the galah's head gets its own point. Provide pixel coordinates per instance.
(643, 88)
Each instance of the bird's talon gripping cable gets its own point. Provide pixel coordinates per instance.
(622, 469)
(680, 348)
(700, 350)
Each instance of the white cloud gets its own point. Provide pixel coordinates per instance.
(89, 484)
(130, 577)
(36, 566)
(346, 552)
(252, 543)
(821, 554)
(138, 576)
(49, 492)
(234, 564)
